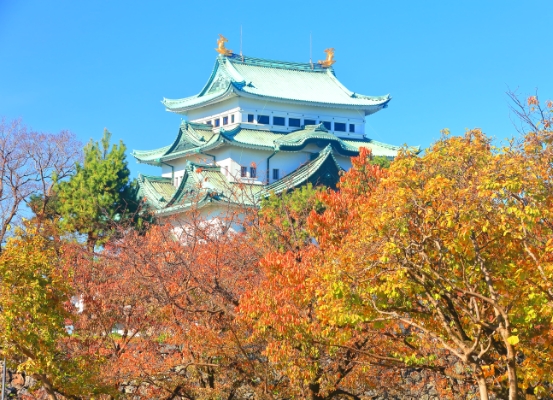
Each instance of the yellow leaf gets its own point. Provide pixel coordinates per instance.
(513, 340)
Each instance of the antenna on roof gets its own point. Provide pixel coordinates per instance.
(311, 50)
(241, 55)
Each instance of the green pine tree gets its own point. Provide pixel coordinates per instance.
(99, 195)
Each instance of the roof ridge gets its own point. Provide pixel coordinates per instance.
(265, 62)
(193, 166)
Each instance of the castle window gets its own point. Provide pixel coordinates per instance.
(225, 120)
(253, 172)
(232, 119)
(327, 125)
(263, 119)
(294, 122)
(339, 127)
(250, 118)
(280, 121)
(243, 172)
(352, 128)
(275, 174)
(309, 122)
(217, 122)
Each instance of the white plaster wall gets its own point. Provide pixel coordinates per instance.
(287, 162)
(211, 110)
(344, 162)
(291, 110)
(219, 218)
(241, 107)
(239, 157)
(179, 164)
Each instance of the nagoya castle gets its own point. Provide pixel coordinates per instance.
(258, 127)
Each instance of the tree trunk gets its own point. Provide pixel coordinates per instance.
(513, 381)
(511, 366)
(483, 389)
(91, 241)
(314, 388)
(47, 385)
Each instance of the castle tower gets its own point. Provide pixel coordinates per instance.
(259, 126)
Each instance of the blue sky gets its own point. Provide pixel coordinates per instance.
(86, 65)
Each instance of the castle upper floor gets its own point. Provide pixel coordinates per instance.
(278, 96)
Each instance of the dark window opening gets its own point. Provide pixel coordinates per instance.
(208, 122)
(352, 128)
(225, 120)
(339, 127)
(280, 121)
(327, 125)
(250, 118)
(309, 122)
(217, 122)
(243, 172)
(263, 119)
(232, 119)
(275, 174)
(253, 172)
(294, 122)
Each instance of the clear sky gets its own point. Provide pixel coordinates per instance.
(86, 65)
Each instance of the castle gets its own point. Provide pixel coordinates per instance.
(257, 127)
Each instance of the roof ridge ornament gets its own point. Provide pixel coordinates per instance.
(221, 49)
(329, 58)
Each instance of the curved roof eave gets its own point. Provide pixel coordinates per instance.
(213, 143)
(368, 108)
(336, 145)
(152, 157)
(212, 99)
(205, 201)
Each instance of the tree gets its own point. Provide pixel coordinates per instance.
(99, 193)
(35, 314)
(321, 354)
(162, 312)
(455, 248)
(282, 220)
(29, 161)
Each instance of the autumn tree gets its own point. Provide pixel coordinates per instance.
(160, 308)
(282, 219)
(321, 354)
(455, 248)
(99, 193)
(36, 314)
(29, 162)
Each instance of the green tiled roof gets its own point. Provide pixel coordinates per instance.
(378, 148)
(313, 133)
(157, 191)
(198, 138)
(192, 138)
(322, 170)
(204, 184)
(201, 184)
(253, 138)
(279, 81)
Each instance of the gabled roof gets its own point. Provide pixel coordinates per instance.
(201, 185)
(314, 134)
(198, 138)
(192, 138)
(277, 81)
(322, 170)
(204, 184)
